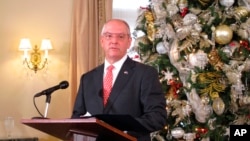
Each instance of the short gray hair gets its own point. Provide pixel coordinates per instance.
(120, 20)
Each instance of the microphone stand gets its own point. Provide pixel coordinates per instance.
(47, 92)
(48, 99)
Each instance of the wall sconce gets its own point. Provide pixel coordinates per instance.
(34, 60)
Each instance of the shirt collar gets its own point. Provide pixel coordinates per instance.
(117, 64)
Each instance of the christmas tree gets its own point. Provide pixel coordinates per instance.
(202, 53)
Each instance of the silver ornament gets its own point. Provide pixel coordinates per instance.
(172, 9)
(177, 132)
(198, 59)
(189, 136)
(190, 19)
(160, 48)
(227, 3)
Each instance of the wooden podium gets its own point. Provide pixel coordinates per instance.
(65, 128)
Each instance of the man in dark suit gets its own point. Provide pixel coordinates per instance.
(136, 89)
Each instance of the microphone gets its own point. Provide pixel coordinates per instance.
(61, 85)
(100, 93)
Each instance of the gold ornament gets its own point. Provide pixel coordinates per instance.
(212, 81)
(150, 25)
(205, 2)
(223, 34)
(214, 95)
(241, 12)
(218, 106)
(214, 59)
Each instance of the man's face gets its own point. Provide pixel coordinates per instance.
(115, 40)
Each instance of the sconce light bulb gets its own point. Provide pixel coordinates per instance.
(46, 54)
(25, 54)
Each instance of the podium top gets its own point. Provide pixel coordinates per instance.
(65, 128)
(122, 122)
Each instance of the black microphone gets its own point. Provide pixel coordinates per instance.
(100, 93)
(61, 85)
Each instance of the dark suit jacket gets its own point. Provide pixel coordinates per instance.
(136, 92)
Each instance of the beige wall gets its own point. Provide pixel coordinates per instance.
(35, 19)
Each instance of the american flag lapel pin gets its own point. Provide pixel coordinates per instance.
(125, 72)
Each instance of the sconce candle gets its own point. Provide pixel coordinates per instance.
(25, 46)
(46, 46)
(34, 61)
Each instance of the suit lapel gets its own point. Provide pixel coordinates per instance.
(125, 73)
(99, 87)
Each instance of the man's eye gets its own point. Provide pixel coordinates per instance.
(121, 36)
(108, 36)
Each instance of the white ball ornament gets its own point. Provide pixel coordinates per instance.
(177, 132)
(198, 59)
(160, 48)
(227, 3)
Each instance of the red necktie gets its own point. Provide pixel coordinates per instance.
(107, 84)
